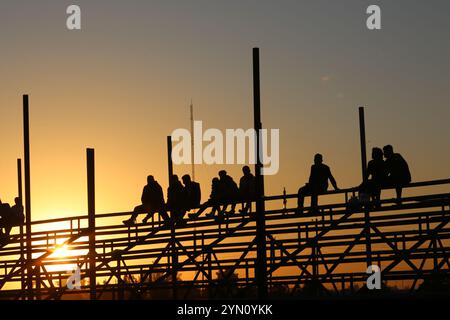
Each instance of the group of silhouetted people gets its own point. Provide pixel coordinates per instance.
(393, 172)
(225, 192)
(182, 197)
(10, 216)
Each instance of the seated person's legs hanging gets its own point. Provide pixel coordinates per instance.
(223, 211)
(246, 206)
(393, 182)
(178, 215)
(314, 199)
(200, 210)
(161, 211)
(136, 211)
(233, 207)
(375, 192)
(365, 193)
(315, 191)
(2, 226)
(302, 193)
(163, 214)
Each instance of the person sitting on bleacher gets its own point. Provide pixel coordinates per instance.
(229, 191)
(176, 200)
(152, 202)
(376, 177)
(213, 201)
(318, 183)
(397, 170)
(247, 189)
(17, 217)
(192, 192)
(5, 218)
(11, 216)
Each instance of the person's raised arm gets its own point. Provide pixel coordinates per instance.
(332, 180)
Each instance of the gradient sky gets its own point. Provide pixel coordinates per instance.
(124, 82)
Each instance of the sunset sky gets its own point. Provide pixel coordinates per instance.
(125, 81)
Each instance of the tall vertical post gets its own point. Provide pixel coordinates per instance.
(174, 255)
(362, 138)
(261, 262)
(22, 244)
(169, 158)
(90, 163)
(192, 141)
(19, 179)
(362, 135)
(26, 147)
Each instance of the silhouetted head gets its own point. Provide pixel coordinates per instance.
(215, 181)
(186, 179)
(222, 174)
(150, 179)
(377, 154)
(174, 178)
(246, 170)
(17, 201)
(318, 159)
(388, 151)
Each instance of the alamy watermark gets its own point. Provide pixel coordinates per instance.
(373, 22)
(374, 280)
(235, 146)
(73, 21)
(74, 281)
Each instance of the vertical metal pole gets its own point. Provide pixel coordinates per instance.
(26, 146)
(37, 271)
(362, 135)
(192, 141)
(169, 158)
(261, 262)
(19, 179)
(172, 223)
(22, 244)
(120, 282)
(90, 162)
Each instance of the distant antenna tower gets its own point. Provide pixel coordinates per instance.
(192, 141)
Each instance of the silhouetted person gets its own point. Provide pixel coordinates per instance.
(5, 218)
(152, 202)
(176, 199)
(376, 176)
(247, 189)
(192, 192)
(15, 216)
(397, 170)
(229, 191)
(213, 201)
(318, 183)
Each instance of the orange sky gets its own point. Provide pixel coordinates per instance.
(124, 82)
